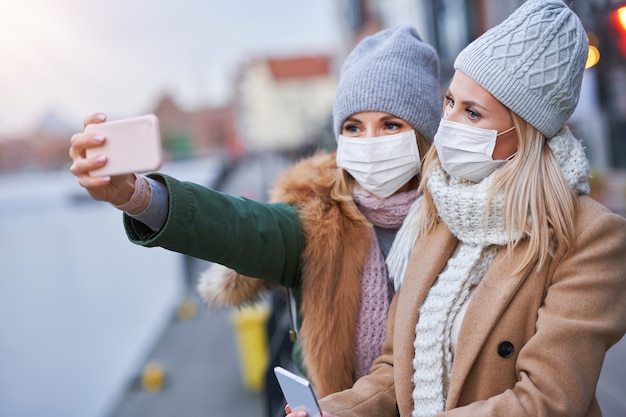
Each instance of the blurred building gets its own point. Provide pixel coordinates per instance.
(192, 133)
(605, 21)
(45, 147)
(283, 103)
(184, 133)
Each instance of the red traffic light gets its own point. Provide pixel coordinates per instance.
(617, 20)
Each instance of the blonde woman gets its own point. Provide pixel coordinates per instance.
(512, 281)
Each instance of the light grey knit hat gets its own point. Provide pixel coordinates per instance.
(392, 71)
(532, 62)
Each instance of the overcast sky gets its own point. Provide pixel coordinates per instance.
(74, 57)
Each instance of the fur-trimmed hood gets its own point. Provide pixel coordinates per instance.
(332, 261)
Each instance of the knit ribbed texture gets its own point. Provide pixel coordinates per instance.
(392, 71)
(570, 155)
(376, 292)
(375, 298)
(461, 206)
(433, 365)
(532, 62)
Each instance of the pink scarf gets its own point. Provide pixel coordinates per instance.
(375, 289)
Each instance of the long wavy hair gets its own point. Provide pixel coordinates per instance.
(341, 191)
(539, 205)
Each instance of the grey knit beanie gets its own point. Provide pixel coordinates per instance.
(532, 62)
(392, 71)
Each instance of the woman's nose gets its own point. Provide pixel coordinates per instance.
(369, 132)
(450, 115)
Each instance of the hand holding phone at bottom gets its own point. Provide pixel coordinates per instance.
(302, 413)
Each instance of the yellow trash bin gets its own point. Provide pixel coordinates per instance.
(250, 324)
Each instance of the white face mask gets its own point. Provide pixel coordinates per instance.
(380, 165)
(465, 151)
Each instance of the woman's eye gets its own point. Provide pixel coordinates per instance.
(472, 114)
(449, 101)
(348, 128)
(392, 126)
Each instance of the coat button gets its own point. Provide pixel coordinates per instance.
(506, 349)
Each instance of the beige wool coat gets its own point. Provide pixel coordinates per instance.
(531, 344)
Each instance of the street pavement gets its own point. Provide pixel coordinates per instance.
(202, 375)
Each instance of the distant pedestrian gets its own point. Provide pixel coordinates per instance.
(515, 286)
(332, 220)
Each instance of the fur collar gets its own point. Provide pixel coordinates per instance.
(332, 262)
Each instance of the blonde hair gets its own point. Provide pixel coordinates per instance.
(341, 189)
(539, 205)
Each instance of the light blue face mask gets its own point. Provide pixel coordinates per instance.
(465, 151)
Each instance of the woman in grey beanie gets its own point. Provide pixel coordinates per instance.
(510, 280)
(332, 218)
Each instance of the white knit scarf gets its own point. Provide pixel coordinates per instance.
(461, 206)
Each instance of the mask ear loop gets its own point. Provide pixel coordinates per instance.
(506, 131)
(502, 133)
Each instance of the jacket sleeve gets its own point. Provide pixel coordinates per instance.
(372, 395)
(257, 239)
(581, 318)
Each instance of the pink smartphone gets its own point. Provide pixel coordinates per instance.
(131, 145)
